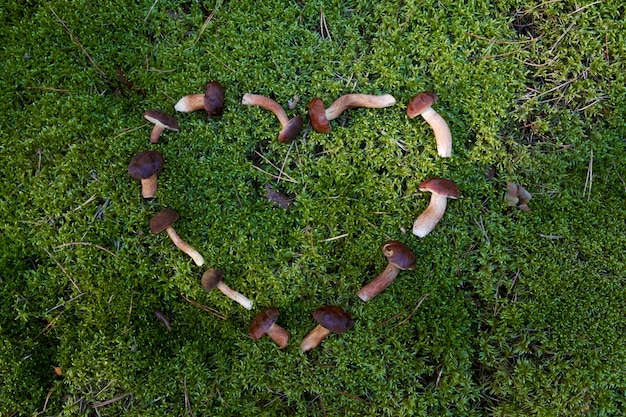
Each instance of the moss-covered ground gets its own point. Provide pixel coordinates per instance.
(506, 314)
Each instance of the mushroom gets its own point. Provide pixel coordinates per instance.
(518, 196)
(321, 117)
(331, 319)
(212, 101)
(400, 257)
(163, 220)
(265, 322)
(441, 190)
(212, 279)
(144, 167)
(161, 122)
(291, 128)
(421, 104)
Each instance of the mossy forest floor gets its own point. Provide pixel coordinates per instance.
(507, 313)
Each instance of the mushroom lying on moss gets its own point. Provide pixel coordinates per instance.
(212, 278)
(321, 117)
(212, 101)
(291, 128)
(331, 319)
(441, 189)
(265, 322)
(400, 257)
(163, 220)
(145, 167)
(421, 104)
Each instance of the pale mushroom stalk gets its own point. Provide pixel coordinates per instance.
(291, 128)
(378, 284)
(443, 137)
(234, 295)
(190, 103)
(149, 186)
(268, 104)
(427, 221)
(349, 101)
(314, 338)
(279, 335)
(184, 246)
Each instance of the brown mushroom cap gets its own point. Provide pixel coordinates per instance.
(419, 103)
(440, 186)
(291, 130)
(162, 220)
(162, 119)
(399, 254)
(317, 115)
(145, 164)
(333, 318)
(262, 322)
(211, 278)
(214, 99)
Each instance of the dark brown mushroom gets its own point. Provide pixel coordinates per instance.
(265, 322)
(161, 122)
(400, 258)
(320, 117)
(212, 101)
(331, 319)
(421, 105)
(441, 189)
(291, 128)
(145, 167)
(163, 220)
(212, 278)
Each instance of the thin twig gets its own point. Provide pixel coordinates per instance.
(108, 402)
(132, 129)
(419, 303)
(282, 168)
(188, 408)
(64, 271)
(85, 244)
(58, 90)
(64, 302)
(39, 153)
(274, 176)
(330, 239)
(80, 45)
(589, 178)
(220, 61)
(150, 11)
(207, 21)
(203, 307)
(503, 42)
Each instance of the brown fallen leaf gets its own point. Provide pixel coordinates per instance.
(279, 199)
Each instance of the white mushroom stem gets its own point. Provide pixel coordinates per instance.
(149, 186)
(443, 137)
(278, 335)
(314, 338)
(184, 246)
(234, 295)
(427, 221)
(190, 103)
(268, 104)
(378, 284)
(155, 135)
(349, 101)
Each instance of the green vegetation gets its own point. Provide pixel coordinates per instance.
(507, 313)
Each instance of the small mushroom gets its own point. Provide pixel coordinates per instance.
(163, 220)
(421, 105)
(161, 122)
(320, 117)
(291, 128)
(441, 189)
(212, 101)
(212, 279)
(518, 196)
(400, 257)
(162, 317)
(331, 319)
(265, 322)
(144, 167)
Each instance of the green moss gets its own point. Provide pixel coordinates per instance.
(506, 313)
